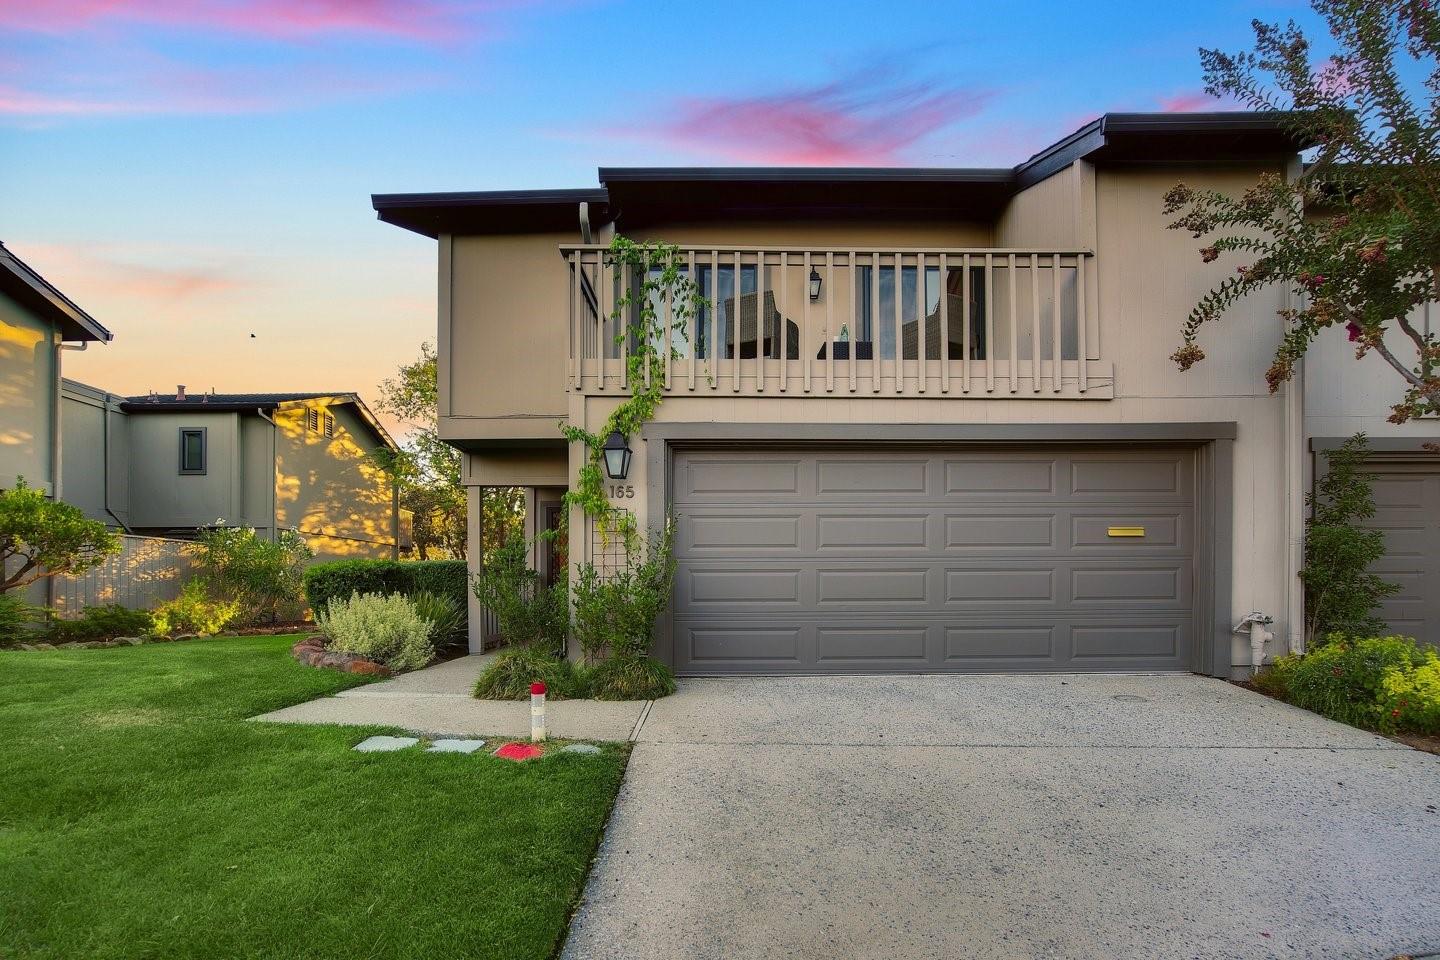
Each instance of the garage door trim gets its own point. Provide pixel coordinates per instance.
(1213, 444)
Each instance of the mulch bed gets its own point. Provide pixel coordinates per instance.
(1418, 741)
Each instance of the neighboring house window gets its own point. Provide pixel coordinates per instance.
(313, 417)
(329, 425)
(192, 450)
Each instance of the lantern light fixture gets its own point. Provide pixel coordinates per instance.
(814, 284)
(617, 456)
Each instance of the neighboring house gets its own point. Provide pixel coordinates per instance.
(1042, 490)
(170, 464)
(38, 324)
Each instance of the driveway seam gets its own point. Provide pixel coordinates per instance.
(640, 721)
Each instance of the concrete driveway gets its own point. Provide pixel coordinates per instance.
(978, 817)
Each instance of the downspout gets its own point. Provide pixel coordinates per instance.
(394, 518)
(56, 484)
(274, 471)
(1294, 483)
(105, 463)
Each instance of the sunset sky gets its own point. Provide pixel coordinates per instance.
(195, 172)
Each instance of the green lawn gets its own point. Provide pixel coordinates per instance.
(141, 816)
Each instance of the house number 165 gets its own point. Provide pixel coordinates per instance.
(622, 491)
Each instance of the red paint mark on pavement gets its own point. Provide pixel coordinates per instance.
(519, 751)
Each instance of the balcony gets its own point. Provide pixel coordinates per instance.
(996, 323)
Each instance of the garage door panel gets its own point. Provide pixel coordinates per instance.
(1029, 642)
(851, 475)
(1148, 585)
(1006, 586)
(870, 585)
(1111, 641)
(1407, 511)
(744, 587)
(985, 559)
(877, 531)
(739, 531)
(1161, 532)
(978, 476)
(975, 530)
(877, 642)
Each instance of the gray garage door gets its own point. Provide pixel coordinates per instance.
(933, 560)
(1407, 508)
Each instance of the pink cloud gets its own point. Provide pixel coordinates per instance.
(1193, 101)
(430, 20)
(870, 119)
(105, 277)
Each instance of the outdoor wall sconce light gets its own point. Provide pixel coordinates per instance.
(814, 284)
(617, 456)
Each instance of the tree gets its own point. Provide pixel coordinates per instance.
(41, 537)
(1340, 592)
(1358, 233)
(428, 469)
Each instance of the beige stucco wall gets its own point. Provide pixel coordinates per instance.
(1344, 395)
(27, 384)
(329, 489)
(1050, 213)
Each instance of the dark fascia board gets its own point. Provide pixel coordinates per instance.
(838, 175)
(1381, 444)
(34, 291)
(1164, 138)
(659, 193)
(489, 211)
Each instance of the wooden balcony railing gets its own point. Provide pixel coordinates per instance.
(974, 322)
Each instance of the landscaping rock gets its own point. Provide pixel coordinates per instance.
(382, 744)
(586, 748)
(187, 636)
(455, 746)
(369, 667)
(132, 641)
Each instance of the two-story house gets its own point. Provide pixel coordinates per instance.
(927, 420)
(167, 465)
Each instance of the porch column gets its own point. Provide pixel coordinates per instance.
(475, 564)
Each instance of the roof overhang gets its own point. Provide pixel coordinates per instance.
(493, 211)
(641, 196)
(34, 292)
(201, 405)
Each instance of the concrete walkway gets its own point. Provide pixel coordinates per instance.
(980, 817)
(437, 701)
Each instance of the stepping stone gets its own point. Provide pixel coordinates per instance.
(519, 752)
(580, 748)
(454, 746)
(385, 744)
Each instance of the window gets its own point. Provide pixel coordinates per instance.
(312, 418)
(329, 425)
(192, 450)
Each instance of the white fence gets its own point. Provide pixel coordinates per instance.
(146, 572)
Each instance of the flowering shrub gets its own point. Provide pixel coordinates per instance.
(265, 577)
(194, 611)
(1362, 681)
(1412, 697)
(386, 629)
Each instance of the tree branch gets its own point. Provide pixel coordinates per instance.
(1403, 370)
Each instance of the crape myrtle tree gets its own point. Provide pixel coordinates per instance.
(427, 469)
(1357, 234)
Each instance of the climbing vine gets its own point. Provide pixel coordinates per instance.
(652, 274)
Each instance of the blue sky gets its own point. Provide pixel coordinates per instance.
(194, 172)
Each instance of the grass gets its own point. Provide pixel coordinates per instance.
(141, 816)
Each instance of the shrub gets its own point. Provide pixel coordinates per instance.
(1340, 592)
(41, 537)
(264, 577)
(1411, 698)
(446, 617)
(102, 623)
(386, 629)
(16, 616)
(528, 612)
(195, 611)
(631, 678)
(515, 668)
(616, 613)
(324, 582)
(1345, 679)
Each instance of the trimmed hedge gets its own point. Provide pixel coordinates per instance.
(339, 579)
